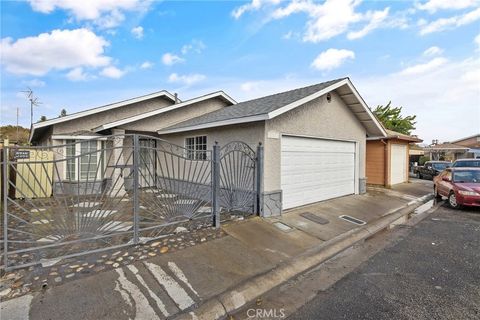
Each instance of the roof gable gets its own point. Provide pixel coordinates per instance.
(88, 112)
(271, 106)
(214, 95)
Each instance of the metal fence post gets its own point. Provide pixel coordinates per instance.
(259, 186)
(136, 166)
(5, 205)
(216, 185)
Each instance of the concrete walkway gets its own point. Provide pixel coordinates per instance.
(177, 282)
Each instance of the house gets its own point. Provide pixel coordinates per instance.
(446, 151)
(388, 158)
(472, 142)
(314, 137)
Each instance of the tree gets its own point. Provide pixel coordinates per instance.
(392, 119)
(16, 134)
(43, 118)
(63, 113)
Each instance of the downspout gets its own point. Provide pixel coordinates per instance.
(385, 163)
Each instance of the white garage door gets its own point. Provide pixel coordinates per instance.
(316, 169)
(398, 169)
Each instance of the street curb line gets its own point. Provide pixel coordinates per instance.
(231, 300)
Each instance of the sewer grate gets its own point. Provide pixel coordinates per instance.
(352, 220)
(282, 226)
(312, 217)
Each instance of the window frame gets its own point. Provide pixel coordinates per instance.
(192, 151)
(77, 164)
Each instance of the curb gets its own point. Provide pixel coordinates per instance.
(231, 300)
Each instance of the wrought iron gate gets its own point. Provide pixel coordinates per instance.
(113, 191)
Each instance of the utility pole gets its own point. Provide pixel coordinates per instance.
(17, 125)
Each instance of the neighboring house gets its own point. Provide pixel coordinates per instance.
(415, 152)
(388, 158)
(472, 142)
(446, 151)
(314, 138)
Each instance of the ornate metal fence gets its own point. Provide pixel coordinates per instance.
(90, 195)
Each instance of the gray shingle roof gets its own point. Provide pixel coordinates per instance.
(255, 107)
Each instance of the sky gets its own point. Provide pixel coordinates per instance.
(421, 55)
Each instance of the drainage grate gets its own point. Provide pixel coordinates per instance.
(310, 216)
(352, 220)
(282, 226)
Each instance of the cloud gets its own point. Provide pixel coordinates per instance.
(332, 58)
(77, 74)
(434, 5)
(196, 46)
(424, 67)
(146, 65)
(440, 97)
(57, 50)
(251, 6)
(169, 59)
(332, 18)
(375, 18)
(34, 83)
(137, 32)
(477, 41)
(186, 79)
(250, 86)
(104, 13)
(432, 51)
(112, 72)
(449, 23)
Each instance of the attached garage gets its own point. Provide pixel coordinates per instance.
(316, 169)
(314, 141)
(387, 159)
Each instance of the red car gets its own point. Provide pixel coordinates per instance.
(460, 185)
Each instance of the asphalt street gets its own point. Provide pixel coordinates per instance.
(433, 272)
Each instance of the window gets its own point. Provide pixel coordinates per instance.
(196, 147)
(82, 160)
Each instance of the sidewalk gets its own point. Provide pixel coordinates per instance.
(177, 282)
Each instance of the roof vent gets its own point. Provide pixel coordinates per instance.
(176, 97)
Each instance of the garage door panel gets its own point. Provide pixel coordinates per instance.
(316, 169)
(398, 168)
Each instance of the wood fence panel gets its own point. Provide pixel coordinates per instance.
(35, 175)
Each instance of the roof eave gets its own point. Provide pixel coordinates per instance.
(212, 95)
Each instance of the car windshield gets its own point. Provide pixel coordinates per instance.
(463, 164)
(439, 166)
(467, 176)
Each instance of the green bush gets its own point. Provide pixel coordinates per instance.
(422, 160)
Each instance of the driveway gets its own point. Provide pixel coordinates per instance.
(431, 274)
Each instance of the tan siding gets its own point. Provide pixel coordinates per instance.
(375, 165)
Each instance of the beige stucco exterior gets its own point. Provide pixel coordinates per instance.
(154, 123)
(251, 133)
(100, 118)
(317, 118)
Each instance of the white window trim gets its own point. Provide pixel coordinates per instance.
(77, 161)
(194, 146)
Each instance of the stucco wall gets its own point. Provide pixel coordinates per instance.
(250, 133)
(316, 118)
(97, 119)
(164, 120)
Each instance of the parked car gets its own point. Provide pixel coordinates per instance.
(460, 185)
(475, 163)
(431, 169)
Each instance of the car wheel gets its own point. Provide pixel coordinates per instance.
(435, 193)
(452, 201)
